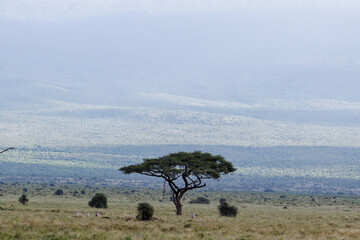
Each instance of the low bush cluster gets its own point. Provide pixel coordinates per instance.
(200, 200)
(227, 210)
(59, 192)
(145, 212)
(98, 201)
(23, 199)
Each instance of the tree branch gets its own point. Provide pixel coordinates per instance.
(172, 185)
(185, 180)
(7, 150)
(195, 182)
(151, 174)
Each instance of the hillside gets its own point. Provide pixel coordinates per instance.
(281, 169)
(80, 91)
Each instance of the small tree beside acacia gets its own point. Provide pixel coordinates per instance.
(183, 171)
(145, 212)
(23, 199)
(98, 201)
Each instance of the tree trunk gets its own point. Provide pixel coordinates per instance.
(178, 209)
(177, 202)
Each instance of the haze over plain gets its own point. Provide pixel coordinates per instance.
(197, 71)
(204, 73)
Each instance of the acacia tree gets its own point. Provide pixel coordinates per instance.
(183, 171)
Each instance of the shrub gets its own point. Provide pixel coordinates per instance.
(227, 210)
(200, 200)
(145, 212)
(23, 199)
(59, 192)
(98, 201)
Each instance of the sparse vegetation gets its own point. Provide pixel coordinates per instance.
(227, 210)
(191, 168)
(325, 166)
(59, 192)
(200, 200)
(98, 201)
(23, 199)
(262, 215)
(145, 212)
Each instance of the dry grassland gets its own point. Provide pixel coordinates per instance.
(53, 218)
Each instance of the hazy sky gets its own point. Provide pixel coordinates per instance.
(293, 62)
(39, 10)
(206, 47)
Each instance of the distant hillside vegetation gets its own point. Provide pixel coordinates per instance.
(282, 169)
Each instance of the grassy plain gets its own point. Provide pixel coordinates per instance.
(261, 215)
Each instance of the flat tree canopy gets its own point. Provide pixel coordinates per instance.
(183, 171)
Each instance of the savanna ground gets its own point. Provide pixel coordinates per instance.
(260, 215)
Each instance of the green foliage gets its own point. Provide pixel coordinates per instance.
(200, 200)
(227, 210)
(23, 199)
(196, 163)
(145, 212)
(192, 168)
(98, 201)
(59, 192)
